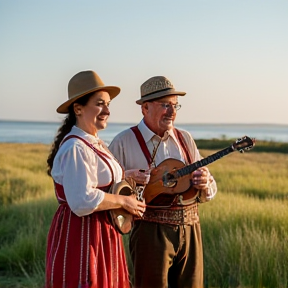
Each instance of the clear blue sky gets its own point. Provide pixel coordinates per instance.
(230, 56)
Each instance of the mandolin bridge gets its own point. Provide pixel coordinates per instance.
(169, 180)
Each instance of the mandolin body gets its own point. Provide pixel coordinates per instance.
(156, 185)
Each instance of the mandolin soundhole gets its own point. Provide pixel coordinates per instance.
(169, 180)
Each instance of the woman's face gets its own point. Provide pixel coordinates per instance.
(93, 116)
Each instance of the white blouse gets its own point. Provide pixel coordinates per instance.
(82, 172)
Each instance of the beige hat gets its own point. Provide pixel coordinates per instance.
(82, 84)
(157, 87)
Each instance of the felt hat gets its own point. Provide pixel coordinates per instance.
(157, 87)
(82, 84)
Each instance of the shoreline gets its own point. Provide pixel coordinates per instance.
(261, 146)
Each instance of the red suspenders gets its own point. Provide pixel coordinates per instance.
(146, 152)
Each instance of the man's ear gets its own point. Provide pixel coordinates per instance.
(144, 108)
(145, 105)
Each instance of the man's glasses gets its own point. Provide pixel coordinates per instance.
(168, 105)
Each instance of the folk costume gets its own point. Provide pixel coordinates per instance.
(83, 249)
(166, 244)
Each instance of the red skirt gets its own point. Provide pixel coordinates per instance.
(84, 252)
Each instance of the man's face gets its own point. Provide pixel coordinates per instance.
(159, 115)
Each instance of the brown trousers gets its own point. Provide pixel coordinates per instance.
(166, 255)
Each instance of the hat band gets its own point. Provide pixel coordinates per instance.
(158, 91)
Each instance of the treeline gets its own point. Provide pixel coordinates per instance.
(260, 146)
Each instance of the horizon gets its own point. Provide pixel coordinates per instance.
(176, 123)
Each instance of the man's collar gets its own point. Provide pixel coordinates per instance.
(148, 134)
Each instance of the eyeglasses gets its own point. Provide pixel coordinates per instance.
(166, 106)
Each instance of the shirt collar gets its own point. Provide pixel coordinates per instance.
(148, 134)
(81, 133)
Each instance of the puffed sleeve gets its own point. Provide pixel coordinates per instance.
(79, 179)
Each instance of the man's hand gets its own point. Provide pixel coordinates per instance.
(140, 176)
(202, 178)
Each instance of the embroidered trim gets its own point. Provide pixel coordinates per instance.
(66, 248)
(81, 253)
(87, 252)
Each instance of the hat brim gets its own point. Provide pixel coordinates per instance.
(160, 94)
(112, 90)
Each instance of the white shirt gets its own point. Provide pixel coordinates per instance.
(82, 172)
(126, 149)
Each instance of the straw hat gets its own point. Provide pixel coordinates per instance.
(157, 87)
(82, 84)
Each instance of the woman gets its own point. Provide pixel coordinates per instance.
(83, 248)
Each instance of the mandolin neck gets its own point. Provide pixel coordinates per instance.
(203, 162)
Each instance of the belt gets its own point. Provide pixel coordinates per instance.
(178, 215)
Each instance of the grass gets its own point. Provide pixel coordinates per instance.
(244, 228)
(26, 210)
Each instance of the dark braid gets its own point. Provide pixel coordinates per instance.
(65, 128)
(68, 122)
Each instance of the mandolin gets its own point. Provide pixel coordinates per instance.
(170, 177)
(173, 177)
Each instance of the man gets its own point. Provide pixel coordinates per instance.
(165, 244)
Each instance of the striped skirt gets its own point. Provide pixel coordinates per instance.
(84, 252)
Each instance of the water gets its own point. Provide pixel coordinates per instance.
(44, 132)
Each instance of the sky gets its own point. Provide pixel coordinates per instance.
(229, 56)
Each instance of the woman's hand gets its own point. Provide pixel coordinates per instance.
(132, 205)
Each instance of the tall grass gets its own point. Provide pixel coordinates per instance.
(245, 241)
(244, 229)
(26, 210)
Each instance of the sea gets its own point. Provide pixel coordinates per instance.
(44, 132)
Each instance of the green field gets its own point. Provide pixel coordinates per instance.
(244, 229)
